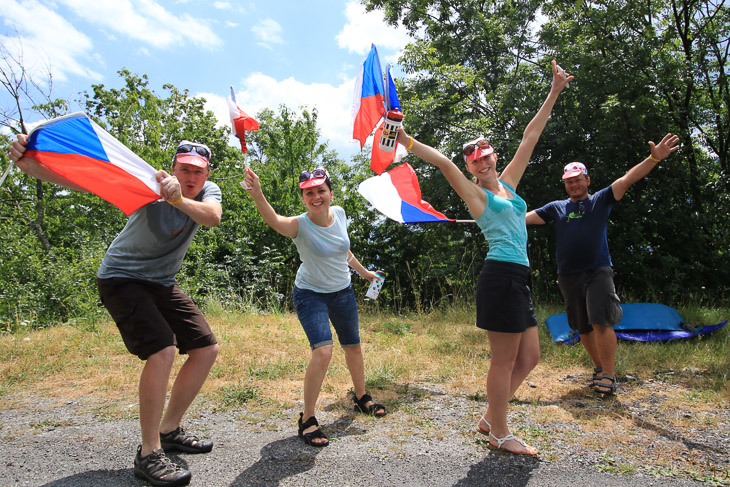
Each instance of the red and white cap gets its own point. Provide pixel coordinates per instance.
(574, 169)
(193, 153)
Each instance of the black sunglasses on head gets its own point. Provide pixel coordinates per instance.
(316, 174)
(188, 148)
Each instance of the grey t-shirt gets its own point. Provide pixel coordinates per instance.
(154, 241)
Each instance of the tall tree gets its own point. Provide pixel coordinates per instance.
(52, 278)
(643, 68)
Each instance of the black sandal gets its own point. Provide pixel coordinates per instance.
(377, 410)
(596, 376)
(608, 389)
(312, 435)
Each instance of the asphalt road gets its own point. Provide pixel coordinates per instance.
(67, 443)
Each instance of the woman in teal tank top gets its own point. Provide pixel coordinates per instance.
(504, 306)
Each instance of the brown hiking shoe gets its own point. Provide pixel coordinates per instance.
(157, 469)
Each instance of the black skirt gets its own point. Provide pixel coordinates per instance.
(503, 296)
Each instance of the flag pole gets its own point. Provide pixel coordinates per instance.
(464, 221)
(5, 174)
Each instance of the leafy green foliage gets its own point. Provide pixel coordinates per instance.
(642, 69)
(473, 68)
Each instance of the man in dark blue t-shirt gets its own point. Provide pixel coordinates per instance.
(585, 276)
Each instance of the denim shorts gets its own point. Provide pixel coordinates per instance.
(316, 310)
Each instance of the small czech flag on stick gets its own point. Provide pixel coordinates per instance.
(240, 121)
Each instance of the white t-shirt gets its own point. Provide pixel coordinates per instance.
(323, 252)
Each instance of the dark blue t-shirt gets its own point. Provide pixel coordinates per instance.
(580, 228)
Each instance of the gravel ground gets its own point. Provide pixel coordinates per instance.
(429, 439)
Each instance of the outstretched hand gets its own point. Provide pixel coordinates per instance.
(561, 78)
(17, 148)
(663, 149)
(403, 138)
(251, 181)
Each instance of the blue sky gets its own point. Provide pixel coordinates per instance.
(273, 52)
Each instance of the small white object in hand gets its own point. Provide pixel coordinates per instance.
(562, 72)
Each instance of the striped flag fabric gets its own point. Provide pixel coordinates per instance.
(391, 96)
(76, 148)
(240, 121)
(368, 105)
(380, 159)
(397, 195)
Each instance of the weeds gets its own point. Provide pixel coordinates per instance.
(238, 395)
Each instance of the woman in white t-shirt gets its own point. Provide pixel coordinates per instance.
(322, 290)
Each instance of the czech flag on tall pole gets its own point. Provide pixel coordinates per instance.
(77, 149)
(380, 159)
(368, 106)
(240, 121)
(397, 195)
(391, 96)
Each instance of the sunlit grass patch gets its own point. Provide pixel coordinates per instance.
(234, 396)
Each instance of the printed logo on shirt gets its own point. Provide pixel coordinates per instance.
(574, 216)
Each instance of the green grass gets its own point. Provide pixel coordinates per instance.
(439, 346)
(238, 395)
(263, 357)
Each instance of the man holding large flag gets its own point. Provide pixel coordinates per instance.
(137, 285)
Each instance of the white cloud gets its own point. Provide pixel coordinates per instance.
(41, 29)
(146, 21)
(268, 31)
(365, 28)
(333, 104)
(231, 24)
(222, 5)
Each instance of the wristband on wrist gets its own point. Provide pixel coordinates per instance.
(654, 158)
(350, 258)
(175, 203)
(410, 144)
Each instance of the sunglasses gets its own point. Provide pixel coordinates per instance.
(188, 148)
(472, 146)
(316, 174)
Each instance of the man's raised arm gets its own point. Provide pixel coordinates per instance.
(658, 152)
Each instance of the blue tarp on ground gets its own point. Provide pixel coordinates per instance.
(644, 322)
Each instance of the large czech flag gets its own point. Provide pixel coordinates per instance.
(368, 105)
(77, 149)
(380, 159)
(397, 195)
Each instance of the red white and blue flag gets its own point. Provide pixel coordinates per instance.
(368, 106)
(397, 195)
(76, 148)
(240, 121)
(391, 96)
(380, 159)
